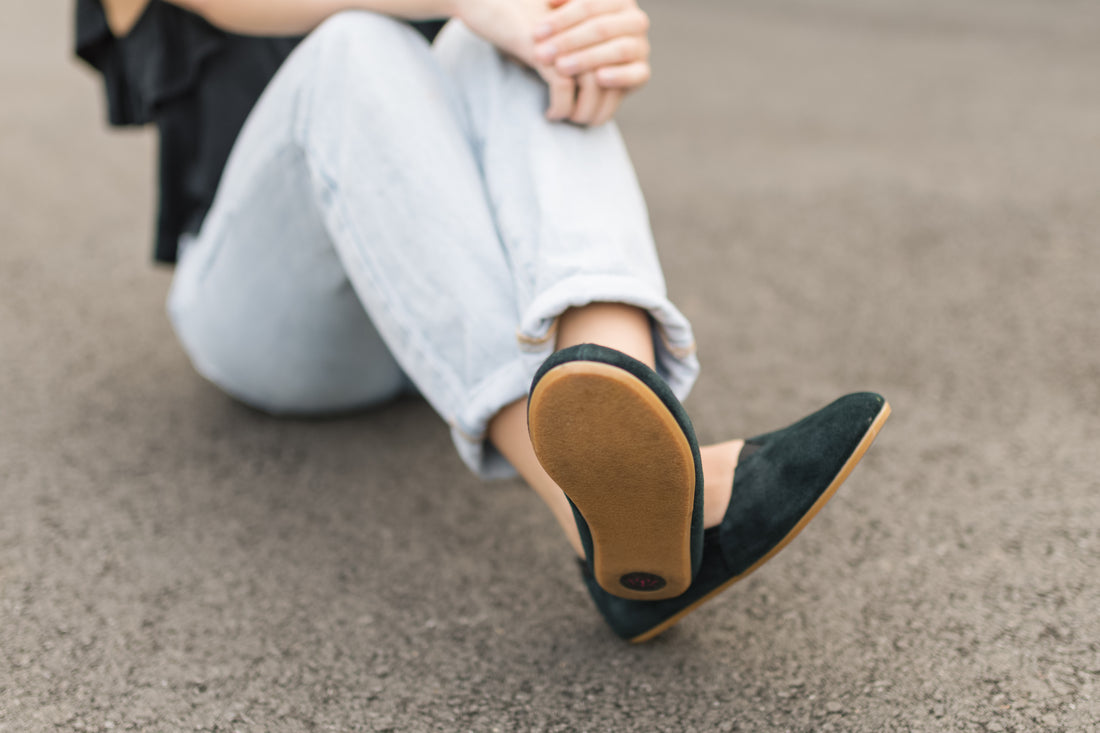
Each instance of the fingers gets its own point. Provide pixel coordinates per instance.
(612, 98)
(593, 31)
(589, 99)
(568, 14)
(604, 36)
(623, 50)
(595, 105)
(626, 77)
(563, 96)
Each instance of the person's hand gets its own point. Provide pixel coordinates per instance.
(606, 37)
(510, 26)
(595, 105)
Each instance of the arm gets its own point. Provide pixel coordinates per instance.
(272, 17)
(508, 24)
(298, 17)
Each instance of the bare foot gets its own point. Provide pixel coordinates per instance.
(719, 463)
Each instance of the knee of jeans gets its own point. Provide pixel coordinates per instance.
(458, 46)
(363, 31)
(484, 76)
(471, 60)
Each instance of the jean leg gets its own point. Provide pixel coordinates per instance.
(262, 306)
(361, 118)
(567, 205)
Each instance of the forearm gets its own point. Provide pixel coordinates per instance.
(297, 17)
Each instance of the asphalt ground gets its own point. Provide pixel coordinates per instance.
(848, 195)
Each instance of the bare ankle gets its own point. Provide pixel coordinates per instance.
(617, 326)
(719, 463)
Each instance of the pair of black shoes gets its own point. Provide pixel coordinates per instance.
(612, 435)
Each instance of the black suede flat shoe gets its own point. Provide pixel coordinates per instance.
(782, 480)
(612, 435)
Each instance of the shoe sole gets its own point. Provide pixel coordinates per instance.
(841, 477)
(620, 456)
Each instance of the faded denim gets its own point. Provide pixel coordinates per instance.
(395, 212)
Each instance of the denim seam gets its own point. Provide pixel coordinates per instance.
(357, 263)
(550, 335)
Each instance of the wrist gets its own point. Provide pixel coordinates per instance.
(459, 9)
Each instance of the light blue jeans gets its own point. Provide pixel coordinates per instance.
(399, 213)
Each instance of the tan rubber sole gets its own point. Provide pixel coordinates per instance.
(620, 456)
(841, 477)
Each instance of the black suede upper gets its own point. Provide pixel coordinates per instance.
(779, 483)
(779, 478)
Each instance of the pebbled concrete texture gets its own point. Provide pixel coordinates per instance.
(847, 195)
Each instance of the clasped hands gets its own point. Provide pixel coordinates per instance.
(591, 53)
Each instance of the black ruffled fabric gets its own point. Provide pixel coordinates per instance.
(197, 83)
(160, 58)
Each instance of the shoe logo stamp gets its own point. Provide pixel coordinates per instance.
(642, 581)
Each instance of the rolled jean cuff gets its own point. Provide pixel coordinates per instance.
(674, 346)
(470, 430)
(673, 339)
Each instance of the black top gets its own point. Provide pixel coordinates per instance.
(197, 83)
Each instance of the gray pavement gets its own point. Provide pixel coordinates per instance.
(848, 194)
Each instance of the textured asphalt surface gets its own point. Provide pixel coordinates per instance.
(852, 194)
